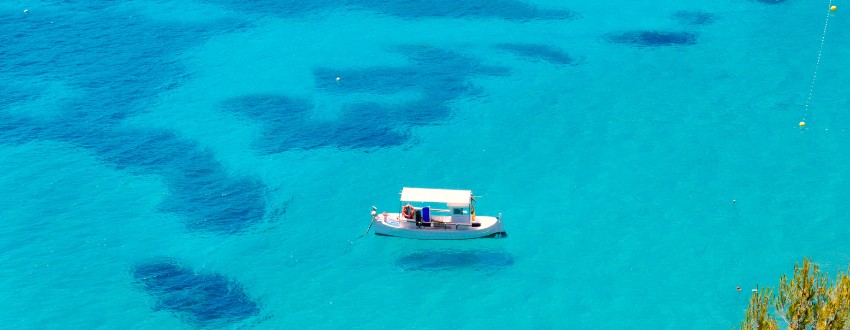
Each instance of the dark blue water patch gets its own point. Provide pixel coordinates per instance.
(367, 125)
(538, 52)
(208, 198)
(287, 125)
(504, 9)
(274, 110)
(200, 189)
(440, 260)
(112, 58)
(431, 109)
(653, 38)
(10, 95)
(426, 56)
(384, 80)
(116, 63)
(439, 72)
(412, 9)
(199, 299)
(437, 76)
(693, 17)
(14, 129)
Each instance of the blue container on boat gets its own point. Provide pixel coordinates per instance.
(426, 214)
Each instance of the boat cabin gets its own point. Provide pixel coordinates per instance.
(437, 206)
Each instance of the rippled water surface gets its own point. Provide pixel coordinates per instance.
(210, 163)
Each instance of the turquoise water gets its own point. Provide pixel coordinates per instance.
(181, 164)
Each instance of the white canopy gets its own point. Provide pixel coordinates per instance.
(456, 197)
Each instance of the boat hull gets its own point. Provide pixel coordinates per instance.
(395, 225)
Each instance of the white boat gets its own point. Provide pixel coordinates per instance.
(437, 214)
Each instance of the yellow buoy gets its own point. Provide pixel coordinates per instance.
(833, 8)
(802, 124)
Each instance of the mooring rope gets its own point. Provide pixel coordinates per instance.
(374, 217)
(367, 229)
(817, 64)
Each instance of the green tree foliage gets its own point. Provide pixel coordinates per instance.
(835, 312)
(800, 299)
(805, 301)
(758, 316)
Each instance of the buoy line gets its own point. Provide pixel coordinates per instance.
(817, 64)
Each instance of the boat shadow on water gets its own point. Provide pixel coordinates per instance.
(488, 261)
